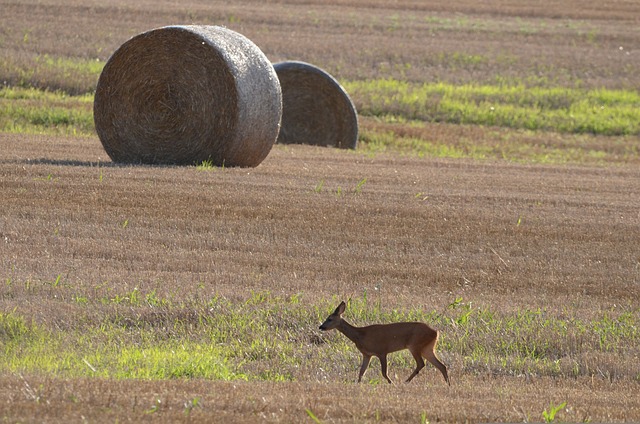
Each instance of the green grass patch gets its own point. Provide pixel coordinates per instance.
(70, 67)
(564, 110)
(28, 110)
(373, 142)
(420, 139)
(513, 122)
(55, 73)
(138, 335)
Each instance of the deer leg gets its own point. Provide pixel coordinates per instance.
(383, 367)
(429, 353)
(419, 364)
(365, 363)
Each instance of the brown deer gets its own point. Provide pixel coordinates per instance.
(382, 339)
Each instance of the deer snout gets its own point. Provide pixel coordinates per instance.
(322, 327)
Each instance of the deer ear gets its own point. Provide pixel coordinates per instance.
(340, 309)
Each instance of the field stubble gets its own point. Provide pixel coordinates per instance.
(326, 209)
(531, 273)
(568, 69)
(191, 294)
(571, 44)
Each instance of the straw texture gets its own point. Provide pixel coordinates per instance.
(186, 94)
(315, 107)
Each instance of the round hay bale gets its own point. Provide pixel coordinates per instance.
(186, 94)
(315, 107)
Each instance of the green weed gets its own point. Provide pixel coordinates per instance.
(319, 186)
(423, 418)
(550, 415)
(190, 405)
(312, 416)
(206, 165)
(358, 187)
(13, 327)
(155, 407)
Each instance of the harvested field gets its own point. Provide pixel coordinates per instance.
(436, 225)
(419, 233)
(569, 43)
(96, 400)
(175, 294)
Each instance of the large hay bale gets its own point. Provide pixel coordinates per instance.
(315, 107)
(186, 94)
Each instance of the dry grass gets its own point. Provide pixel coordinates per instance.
(417, 234)
(576, 43)
(432, 223)
(488, 400)
(531, 272)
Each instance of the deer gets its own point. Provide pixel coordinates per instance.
(382, 339)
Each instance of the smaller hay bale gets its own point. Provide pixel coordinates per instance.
(185, 94)
(316, 109)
